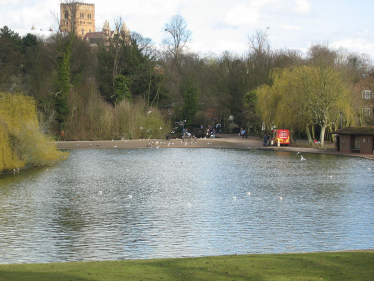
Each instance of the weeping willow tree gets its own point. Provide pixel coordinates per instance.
(21, 142)
(303, 96)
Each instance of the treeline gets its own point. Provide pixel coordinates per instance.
(126, 83)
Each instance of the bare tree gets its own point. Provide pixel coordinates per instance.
(259, 41)
(179, 36)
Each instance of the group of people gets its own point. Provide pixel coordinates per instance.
(243, 133)
(210, 132)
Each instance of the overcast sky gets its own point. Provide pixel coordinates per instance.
(219, 25)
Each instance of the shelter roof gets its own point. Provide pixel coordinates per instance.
(355, 131)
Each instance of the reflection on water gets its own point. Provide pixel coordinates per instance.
(155, 203)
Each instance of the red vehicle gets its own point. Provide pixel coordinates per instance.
(280, 135)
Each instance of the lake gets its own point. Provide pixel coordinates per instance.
(112, 204)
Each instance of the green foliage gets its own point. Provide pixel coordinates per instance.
(315, 95)
(22, 144)
(190, 102)
(122, 89)
(63, 83)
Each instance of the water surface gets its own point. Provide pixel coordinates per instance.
(112, 204)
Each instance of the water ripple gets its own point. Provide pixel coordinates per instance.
(144, 203)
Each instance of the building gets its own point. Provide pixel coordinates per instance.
(80, 15)
(355, 140)
(107, 33)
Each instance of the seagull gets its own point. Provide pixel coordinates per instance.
(302, 158)
(234, 197)
(100, 193)
(248, 193)
(281, 198)
(160, 128)
(129, 196)
(141, 128)
(298, 152)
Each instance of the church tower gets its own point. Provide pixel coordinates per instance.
(80, 16)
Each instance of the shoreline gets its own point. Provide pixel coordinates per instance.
(224, 141)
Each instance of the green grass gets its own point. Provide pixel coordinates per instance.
(312, 266)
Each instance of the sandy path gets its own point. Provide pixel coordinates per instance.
(222, 141)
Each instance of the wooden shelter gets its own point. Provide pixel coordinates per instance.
(355, 140)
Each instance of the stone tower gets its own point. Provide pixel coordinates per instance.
(80, 15)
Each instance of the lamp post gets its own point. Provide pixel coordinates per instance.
(341, 119)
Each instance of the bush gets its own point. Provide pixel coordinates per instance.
(21, 142)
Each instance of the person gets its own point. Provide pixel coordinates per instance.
(243, 133)
(266, 138)
(62, 135)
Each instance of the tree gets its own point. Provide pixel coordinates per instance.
(65, 43)
(122, 89)
(252, 117)
(179, 37)
(316, 95)
(190, 100)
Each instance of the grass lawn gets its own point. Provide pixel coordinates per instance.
(311, 266)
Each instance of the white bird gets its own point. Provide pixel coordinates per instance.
(248, 193)
(129, 196)
(281, 198)
(298, 152)
(160, 128)
(141, 128)
(234, 197)
(100, 193)
(115, 146)
(302, 158)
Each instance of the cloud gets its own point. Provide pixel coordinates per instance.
(292, 27)
(8, 2)
(246, 14)
(358, 45)
(302, 7)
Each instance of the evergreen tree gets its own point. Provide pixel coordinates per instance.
(190, 101)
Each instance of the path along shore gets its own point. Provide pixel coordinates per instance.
(221, 141)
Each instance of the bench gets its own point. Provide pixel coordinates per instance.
(355, 150)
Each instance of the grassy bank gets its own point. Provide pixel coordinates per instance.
(312, 266)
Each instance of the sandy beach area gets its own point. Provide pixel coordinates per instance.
(221, 141)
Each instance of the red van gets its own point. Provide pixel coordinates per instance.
(280, 135)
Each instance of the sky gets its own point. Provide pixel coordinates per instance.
(218, 25)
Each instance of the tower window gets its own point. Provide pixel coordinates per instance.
(66, 14)
(82, 31)
(367, 94)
